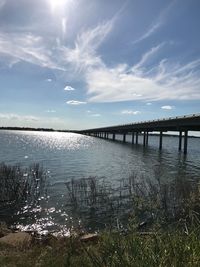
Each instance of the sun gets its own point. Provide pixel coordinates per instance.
(57, 4)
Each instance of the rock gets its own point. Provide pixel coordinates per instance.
(89, 238)
(19, 239)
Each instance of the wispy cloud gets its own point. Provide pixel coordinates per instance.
(164, 79)
(149, 79)
(130, 112)
(75, 102)
(167, 107)
(14, 117)
(69, 88)
(27, 47)
(146, 57)
(84, 55)
(159, 21)
(36, 49)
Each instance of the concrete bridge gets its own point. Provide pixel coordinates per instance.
(173, 124)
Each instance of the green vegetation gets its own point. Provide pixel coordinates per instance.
(18, 187)
(163, 229)
(163, 248)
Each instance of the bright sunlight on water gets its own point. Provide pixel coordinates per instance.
(67, 158)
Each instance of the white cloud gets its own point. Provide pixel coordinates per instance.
(96, 115)
(51, 53)
(160, 81)
(29, 48)
(159, 21)
(146, 57)
(167, 107)
(149, 104)
(69, 88)
(75, 102)
(51, 111)
(49, 80)
(149, 32)
(130, 112)
(84, 55)
(16, 117)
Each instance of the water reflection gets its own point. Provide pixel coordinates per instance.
(91, 183)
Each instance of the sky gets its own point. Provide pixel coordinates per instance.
(79, 64)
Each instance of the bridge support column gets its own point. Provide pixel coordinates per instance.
(107, 135)
(133, 135)
(161, 137)
(124, 137)
(136, 140)
(113, 138)
(147, 138)
(185, 142)
(180, 141)
(144, 138)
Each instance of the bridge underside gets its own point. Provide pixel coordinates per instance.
(178, 124)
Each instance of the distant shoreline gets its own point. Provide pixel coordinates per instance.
(71, 131)
(33, 129)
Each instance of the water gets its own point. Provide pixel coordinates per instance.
(67, 156)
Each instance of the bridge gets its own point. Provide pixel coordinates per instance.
(181, 125)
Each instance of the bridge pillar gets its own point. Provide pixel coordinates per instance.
(113, 138)
(124, 137)
(147, 138)
(107, 135)
(144, 138)
(161, 137)
(133, 135)
(185, 142)
(180, 141)
(136, 140)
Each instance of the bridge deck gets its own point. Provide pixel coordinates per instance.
(180, 124)
(190, 123)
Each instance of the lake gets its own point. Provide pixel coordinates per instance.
(68, 157)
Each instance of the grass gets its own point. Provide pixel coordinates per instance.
(169, 237)
(19, 186)
(174, 248)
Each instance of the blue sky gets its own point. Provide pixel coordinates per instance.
(75, 64)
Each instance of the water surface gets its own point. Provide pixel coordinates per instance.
(67, 156)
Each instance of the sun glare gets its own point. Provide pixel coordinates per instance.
(57, 4)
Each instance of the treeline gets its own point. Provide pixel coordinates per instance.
(33, 129)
